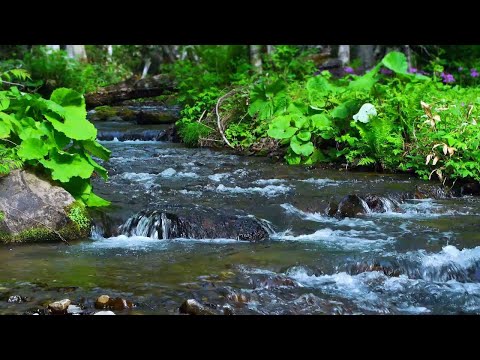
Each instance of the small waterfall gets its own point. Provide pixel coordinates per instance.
(154, 225)
(365, 206)
(201, 225)
(166, 225)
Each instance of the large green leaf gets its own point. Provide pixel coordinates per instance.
(343, 110)
(95, 201)
(5, 125)
(32, 149)
(281, 128)
(4, 101)
(75, 124)
(100, 170)
(281, 133)
(396, 61)
(366, 82)
(97, 149)
(304, 135)
(65, 166)
(320, 121)
(301, 148)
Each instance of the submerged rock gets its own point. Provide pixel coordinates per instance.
(351, 206)
(201, 224)
(36, 210)
(429, 191)
(60, 307)
(193, 307)
(380, 204)
(142, 115)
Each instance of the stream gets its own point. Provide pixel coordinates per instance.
(424, 259)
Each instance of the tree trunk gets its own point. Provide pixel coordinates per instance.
(408, 53)
(109, 52)
(77, 52)
(366, 54)
(148, 62)
(270, 49)
(256, 57)
(131, 89)
(344, 54)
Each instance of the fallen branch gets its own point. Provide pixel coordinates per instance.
(201, 117)
(41, 223)
(219, 120)
(11, 83)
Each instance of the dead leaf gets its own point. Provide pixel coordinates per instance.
(451, 150)
(470, 109)
(429, 157)
(445, 149)
(436, 118)
(435, 160)
(439, 174)
(426, 108)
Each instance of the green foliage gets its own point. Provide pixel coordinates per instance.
(191, 132)
(2, 215)
(78, 214)
(54, 136)
(55, 69)
(375, 120)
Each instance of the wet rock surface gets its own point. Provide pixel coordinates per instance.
(34, 209)
(60, 307)
(202, 224)
(193, 307)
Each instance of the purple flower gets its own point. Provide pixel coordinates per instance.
(463, 104)
(385, 71)
(447, 78)
(474, 73)
(348, 70)
(460, 68)
(412, 70)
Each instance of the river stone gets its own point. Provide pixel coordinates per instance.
(102, 302)
(197, 224)
(59, 307)
(108, 312)
(193, 307)
(119, 304)
(351, 206)
(33, 208)
(428, 191)
(74, 310)
(17, 299)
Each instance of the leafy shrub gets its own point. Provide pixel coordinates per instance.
(53, 136)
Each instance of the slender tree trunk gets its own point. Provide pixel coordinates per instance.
(344, 54)
(270, 49)
(148, 62)
(168, 52)
(77, 52)
(256, 57)
(109, 52)
(408, 53)
(366, 54)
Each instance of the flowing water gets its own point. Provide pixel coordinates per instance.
(423, 259)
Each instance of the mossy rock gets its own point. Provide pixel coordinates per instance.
(34, 210)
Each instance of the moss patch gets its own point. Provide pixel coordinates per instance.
(77, 227)
(103, 113)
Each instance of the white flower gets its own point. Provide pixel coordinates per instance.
(365, 112)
